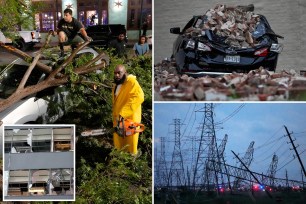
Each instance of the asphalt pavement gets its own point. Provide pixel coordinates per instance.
(6, 57)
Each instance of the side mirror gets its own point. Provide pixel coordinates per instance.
(175, 30)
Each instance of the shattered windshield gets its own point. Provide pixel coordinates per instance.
(11, 78)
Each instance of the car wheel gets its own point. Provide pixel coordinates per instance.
(21, 45)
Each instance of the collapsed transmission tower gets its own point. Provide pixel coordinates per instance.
(272, 171)
(176, 173)
(207, 152)
(247, 159)
(220, 167)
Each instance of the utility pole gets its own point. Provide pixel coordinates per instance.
(302, 178)
(287, 183)
(294, 148)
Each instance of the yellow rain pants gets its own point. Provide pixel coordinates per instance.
(127, 104)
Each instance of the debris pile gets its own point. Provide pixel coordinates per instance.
(235, 24)
(257, 85)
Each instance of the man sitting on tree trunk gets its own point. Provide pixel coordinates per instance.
(67, 30)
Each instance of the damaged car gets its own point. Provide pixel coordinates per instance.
(224, 40)
(30, 108)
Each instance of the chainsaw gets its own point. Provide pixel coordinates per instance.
(124, 128)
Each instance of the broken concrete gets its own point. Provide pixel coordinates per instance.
(235, 24)
(256, 85)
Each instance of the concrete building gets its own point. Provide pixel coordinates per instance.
(39, 163)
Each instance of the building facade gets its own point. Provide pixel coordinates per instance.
(131, 13)
(39, 163)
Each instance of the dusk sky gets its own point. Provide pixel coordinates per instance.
(262, 123)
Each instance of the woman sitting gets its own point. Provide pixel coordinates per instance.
(141, 47)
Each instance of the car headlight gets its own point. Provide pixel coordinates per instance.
(190, 44)
(203, 47)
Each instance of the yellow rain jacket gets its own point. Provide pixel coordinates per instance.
(127, 104)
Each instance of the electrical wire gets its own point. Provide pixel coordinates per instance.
(267, 141)
(298, 133)
(282, 161)
(285, 164)
(272, 150)
(187, 113)
(303, 151)
(189, 121)
(230, 115)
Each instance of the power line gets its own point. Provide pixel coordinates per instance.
(269, 149)
(297, 133)
(277, 139)
(286, 164)
(189, 121)
(186, 114)
(230, 115)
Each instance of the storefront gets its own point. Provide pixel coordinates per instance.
(132, 13)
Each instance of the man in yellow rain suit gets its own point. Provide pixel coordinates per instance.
(127, 99)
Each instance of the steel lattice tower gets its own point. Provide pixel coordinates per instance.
(176, 173)
(207, 151)
(162, 171)
(247, 159)
(272, 170)
(156, 168)
(221, 149)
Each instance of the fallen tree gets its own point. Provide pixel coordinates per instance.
(55, 76)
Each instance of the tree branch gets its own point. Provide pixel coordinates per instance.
(25, 57)
(23, 91)
(68, 60)
(33, 64)
(100, 56)
(28, 72)
(85, 70)
(95, 83)
(18, 95)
